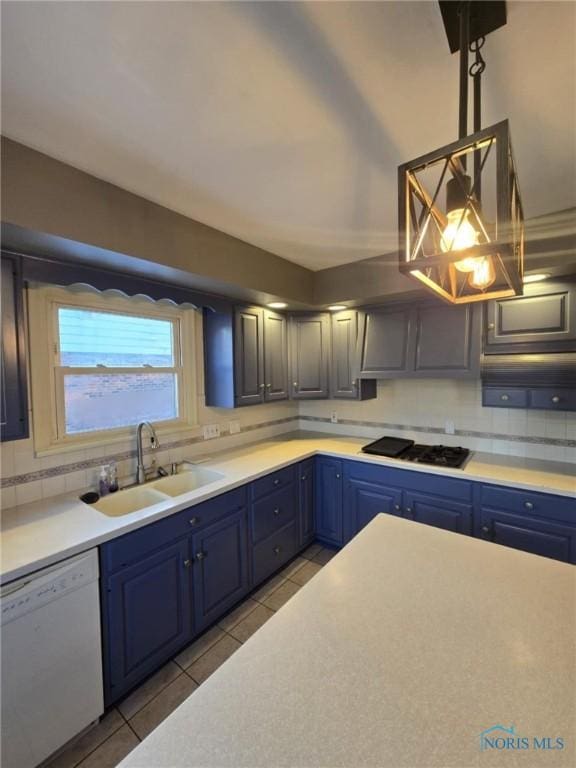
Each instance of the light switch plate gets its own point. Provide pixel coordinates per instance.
(210, 431)
(334, 417)
(234, 427)
(449, 427)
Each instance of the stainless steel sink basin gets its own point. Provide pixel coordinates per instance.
(129, 500)
(186, 481)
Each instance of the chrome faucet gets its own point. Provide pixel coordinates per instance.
(154, 442)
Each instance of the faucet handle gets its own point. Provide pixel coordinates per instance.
(174, 468)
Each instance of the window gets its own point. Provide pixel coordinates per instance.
(111, 362)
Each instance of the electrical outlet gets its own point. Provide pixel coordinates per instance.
(449, 427)
(234, 427)
(210, 431)
(334, 417)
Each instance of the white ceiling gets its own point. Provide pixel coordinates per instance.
(282, 123)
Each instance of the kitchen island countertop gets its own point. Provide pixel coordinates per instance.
(400, 653)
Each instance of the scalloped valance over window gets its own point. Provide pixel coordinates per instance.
(53, 272)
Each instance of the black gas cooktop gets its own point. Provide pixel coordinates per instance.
(408, 450)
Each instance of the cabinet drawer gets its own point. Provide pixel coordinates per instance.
(505, 398)
(553, 399)
(537, 504)
(271, 553)
(131, 547)
(273, 482)
(273, 512)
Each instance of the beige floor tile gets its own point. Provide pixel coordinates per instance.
(281, 595)
(325, 556)
(293, 567)
(251, 623)
(113, 750)
(266, 589)
(159, 708)
(213, 658)
(87, 743)
(304, 574)
(312, 551)
(149, 689)
(237, 614)
(198, 647)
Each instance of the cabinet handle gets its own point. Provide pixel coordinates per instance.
(276, 550)
(528, 505)
(353, 382)
(187, 563)
(504, 397)
(194, 520)
(295, 384)
(276, 481)
(485, 529)
(303, 478)
(397, 507)
(277, 511)
(408, 510)
(490, 326)
(555, 399)
(337, 475)
(268, 386)
(200, 555)
(261, 386)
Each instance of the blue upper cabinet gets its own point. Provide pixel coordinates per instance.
(275, 356)
(345, 381)
(220, 567)
(328, 497)
(542, 320)
(14, 402)
(249, 356)
(309, 356)
(386, 343)
(447, 341)
(425, 341)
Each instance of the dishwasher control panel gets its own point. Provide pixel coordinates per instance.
(31, 592)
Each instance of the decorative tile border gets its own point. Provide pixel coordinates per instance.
(44, 474)
(561, 442)
(64, 469)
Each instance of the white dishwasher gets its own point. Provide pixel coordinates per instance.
(51, 659)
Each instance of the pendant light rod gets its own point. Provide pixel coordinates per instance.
(464, 18)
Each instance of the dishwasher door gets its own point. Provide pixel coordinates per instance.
(51, 659)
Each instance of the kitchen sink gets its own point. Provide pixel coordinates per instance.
(141, 496)
(186, 481)
(129, 500)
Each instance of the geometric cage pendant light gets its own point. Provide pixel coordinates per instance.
(461, 236)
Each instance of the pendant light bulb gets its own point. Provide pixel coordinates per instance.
(459, 234)
(483, 274)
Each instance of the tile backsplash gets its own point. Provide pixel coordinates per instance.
(420, 410)
(415, 409)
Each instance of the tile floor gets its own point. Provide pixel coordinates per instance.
(124, 726)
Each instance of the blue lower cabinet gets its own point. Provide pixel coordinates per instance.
(364, 500)
(328, 498)
(220, 568)
(272, 553)
(147, 616)
(439, 512)
(530, 534)
(306, 501)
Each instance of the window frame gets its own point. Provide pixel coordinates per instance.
(48, 416)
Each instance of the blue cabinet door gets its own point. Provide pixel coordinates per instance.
(531, 534)
(13, 392)
(306, 501)
(364, 500)
(328, 513)
(439, 512)
(147, 614)
(220, 570)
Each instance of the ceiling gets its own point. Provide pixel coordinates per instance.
(282, 123)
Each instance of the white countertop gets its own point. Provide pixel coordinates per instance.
(37, 535)
(398, 654)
